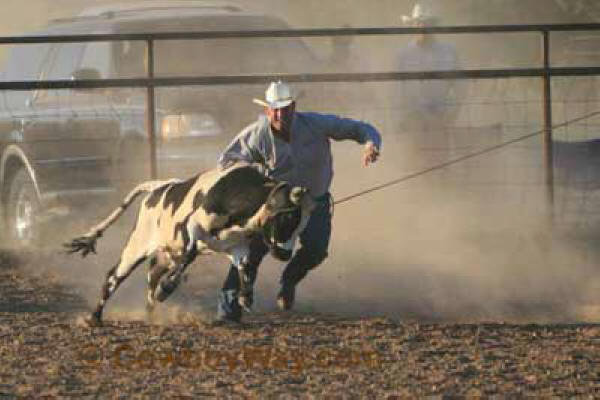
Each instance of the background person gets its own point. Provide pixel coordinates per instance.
(427, 105)
(295, 147)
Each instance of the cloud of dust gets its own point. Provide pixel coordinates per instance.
(466, 243)
(446, 246)
(449, 246)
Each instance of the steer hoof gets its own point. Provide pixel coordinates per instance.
(164, 290)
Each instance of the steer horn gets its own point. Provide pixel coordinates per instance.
(296, 194)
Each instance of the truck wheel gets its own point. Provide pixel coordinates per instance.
(22, 211)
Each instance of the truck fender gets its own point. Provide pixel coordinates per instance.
(15, 151)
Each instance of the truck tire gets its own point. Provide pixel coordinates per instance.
(22, 211)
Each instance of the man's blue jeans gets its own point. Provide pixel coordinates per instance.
(314, 242)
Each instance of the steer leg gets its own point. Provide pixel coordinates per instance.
(152, 267)
(159, 265)
(239, 258)
(167, 285)
(131, 257)
(246, 288)
(114, 278)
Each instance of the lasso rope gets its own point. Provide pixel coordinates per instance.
(460, 159)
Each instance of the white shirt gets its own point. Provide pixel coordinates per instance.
(426, 95)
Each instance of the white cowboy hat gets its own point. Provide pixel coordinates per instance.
(277, 95)
(421, 14)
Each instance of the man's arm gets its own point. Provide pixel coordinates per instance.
(245, 147)
(338, 128)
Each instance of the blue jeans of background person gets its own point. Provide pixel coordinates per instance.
(314, 242)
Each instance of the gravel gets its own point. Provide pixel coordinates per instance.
(46, 351)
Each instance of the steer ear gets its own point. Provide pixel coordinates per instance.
(296, 194)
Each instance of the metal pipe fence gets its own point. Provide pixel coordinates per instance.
(545, 71)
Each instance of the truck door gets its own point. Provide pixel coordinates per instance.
(74, 130)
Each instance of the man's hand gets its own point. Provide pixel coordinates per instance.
(370, 154)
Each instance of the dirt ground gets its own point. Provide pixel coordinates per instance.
(47, 352)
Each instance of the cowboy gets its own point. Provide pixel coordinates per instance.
(295, 147)
(429, 105)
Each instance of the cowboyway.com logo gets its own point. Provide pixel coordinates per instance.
(263, 357)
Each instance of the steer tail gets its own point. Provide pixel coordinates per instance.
(87, 243)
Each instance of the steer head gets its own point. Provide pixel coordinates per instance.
(286, 214)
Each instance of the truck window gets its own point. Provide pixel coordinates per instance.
(129, 58)
(97, 56)
(231, 56)
(24, 63)
(64, 60)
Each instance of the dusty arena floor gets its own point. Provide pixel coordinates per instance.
(47, 352)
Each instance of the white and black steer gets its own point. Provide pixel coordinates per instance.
(218, 211)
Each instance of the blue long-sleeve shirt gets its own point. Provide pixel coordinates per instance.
(306, 160)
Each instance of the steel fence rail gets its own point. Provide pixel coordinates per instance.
(457, 160)
(288, 33)
(150, 81)
(298, 78)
